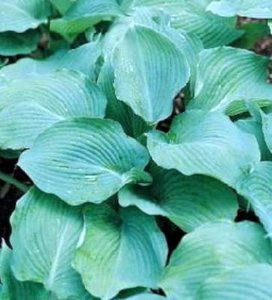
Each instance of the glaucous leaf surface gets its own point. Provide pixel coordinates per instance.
(211, 250)
(25, 113)
(157, 20)
(260, 9)
(256, 188)
(12, 43)
(248, 283)
(81, 59)
(45, 233)
(205, 143)
(85, 160)
(21, 15)
(149, 71)
(116, 243)
(188, 201)
(192, 16)
(14, 289)
(117, 110)
(227, 77)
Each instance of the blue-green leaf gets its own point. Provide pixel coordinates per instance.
(149, 71)
(211, 250)
(21, 15)
(248, 283)
(205, 143)
(256, 188)
(85, 160)
(80, 59)
(12, 43)
(120, 250)
(14, 289)
(117, 110)
(193, 17)
(25, 113)
(188, 201)
(227, 77)
(260, 9)
(45, 233)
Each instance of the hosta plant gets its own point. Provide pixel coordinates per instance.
(143, 130)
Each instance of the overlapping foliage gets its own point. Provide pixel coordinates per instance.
(83, 112)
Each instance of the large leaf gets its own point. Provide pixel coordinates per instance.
(117, 110)
(20, 15)
(45, 233)
(192, 16)
(120, 250)
(226, 77)
(188, 201)
(248, 283)
(48, 99)
(261, 9)
(14, 289)
(149, 71)
(208, 144)
(155, 19)
(256, 188)
(211, 250)
(83, 14)
(12, 43)
(81, 59)
(85, 160)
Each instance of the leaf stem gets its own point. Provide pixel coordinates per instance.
(11, 180)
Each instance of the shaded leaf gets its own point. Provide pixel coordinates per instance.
(132, 124)
(253, 32)
(12, 43)
(83, 14)
(254, 126)
(186, 201)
